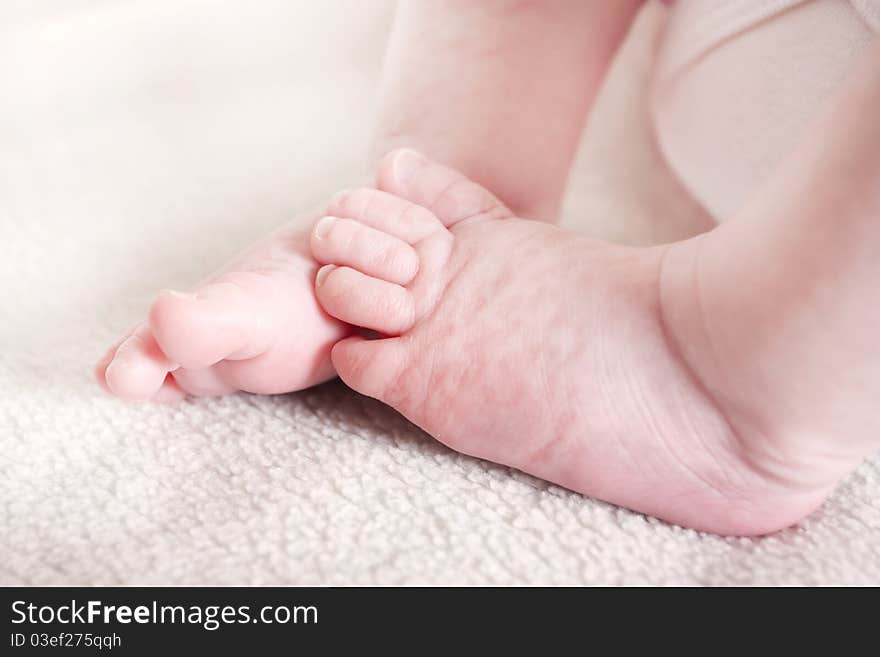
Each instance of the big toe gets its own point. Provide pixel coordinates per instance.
(223, 319)
(448, 193)
(375, 368)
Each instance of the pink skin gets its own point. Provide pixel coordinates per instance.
(597, 366)
(528, 345)
(725, 383)
(255, 326)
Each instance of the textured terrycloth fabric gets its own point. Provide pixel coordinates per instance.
(144, 142)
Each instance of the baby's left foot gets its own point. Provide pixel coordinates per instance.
(521, 343)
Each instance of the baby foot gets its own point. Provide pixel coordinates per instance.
(255, 326)
(521, 343)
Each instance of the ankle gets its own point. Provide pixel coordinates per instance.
(786, 463)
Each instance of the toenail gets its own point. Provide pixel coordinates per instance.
(179, 295)
(406, 163)
(323, 272)
(323, 227)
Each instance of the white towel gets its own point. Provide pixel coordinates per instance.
(141, 144)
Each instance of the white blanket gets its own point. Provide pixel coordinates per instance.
(143, 142)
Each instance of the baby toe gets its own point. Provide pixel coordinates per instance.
(100, 370)
(355, 298)
(372, 367)
(373, 252)
(405, 220)
(138, 368)
(223, 319)
(450, 195)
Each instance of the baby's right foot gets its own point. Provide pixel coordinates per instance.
(255, 326)
(527, 345)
